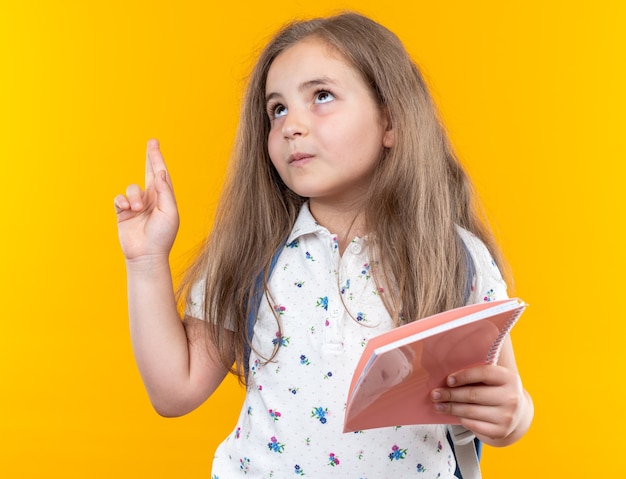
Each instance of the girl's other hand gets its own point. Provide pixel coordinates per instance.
(147, 220)
(489, 400)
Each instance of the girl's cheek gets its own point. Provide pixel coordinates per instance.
(271, 140)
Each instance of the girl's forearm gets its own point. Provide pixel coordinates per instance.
(158, 337)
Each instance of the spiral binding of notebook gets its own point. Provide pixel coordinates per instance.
(494, 352)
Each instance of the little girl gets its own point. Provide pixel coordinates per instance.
(344, 180)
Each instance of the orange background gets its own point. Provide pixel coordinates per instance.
(533, 96)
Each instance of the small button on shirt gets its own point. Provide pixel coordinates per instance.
(328, 305)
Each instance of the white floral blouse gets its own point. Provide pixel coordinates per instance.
(292, 418)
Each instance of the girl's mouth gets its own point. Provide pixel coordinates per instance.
(297, 159)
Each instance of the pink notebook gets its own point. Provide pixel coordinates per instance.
(398, 369)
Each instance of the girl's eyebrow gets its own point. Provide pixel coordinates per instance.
(307, 85)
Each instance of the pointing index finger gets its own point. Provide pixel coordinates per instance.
(154, 162)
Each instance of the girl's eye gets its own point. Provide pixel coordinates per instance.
(276, 111)
(324, 96)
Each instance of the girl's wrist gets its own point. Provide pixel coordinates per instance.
(150, 263)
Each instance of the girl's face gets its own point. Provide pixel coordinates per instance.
(327, 130)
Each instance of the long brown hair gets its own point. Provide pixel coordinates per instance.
(420, 192)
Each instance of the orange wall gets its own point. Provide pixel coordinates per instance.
(533, 95)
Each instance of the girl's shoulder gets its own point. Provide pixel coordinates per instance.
(488, 283)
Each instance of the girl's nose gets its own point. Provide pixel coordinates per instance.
(294, 125)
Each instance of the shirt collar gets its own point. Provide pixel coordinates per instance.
(305, 224)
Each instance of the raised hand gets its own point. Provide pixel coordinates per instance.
(148, 219)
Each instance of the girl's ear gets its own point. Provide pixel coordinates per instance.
(388, 136)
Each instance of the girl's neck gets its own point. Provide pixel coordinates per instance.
(346, 221)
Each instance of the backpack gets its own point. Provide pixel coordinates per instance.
(467, 448)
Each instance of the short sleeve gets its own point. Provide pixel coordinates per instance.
(487, 284)
(195, 304)
(195, 301)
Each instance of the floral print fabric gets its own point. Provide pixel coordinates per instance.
(292, 418)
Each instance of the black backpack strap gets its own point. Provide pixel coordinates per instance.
(254, 310)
